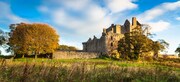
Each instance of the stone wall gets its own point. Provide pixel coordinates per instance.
(95, 45)
(74, 54)
(112, 40)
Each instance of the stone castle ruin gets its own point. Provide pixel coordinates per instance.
(108, 42)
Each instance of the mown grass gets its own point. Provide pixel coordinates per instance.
(86, 70)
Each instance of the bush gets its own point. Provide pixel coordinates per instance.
(115, 54)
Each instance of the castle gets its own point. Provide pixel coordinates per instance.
(108, 42)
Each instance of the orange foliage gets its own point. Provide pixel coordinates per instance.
(34, 39)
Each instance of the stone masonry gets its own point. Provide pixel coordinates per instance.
(108, 42)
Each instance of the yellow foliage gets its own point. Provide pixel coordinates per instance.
(34, 39)
(115, 54)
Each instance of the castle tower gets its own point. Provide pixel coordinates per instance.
(134, 21)
(117, 29)
(127, 26)
(104, 30)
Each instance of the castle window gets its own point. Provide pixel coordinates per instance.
(111, 44)
(111, 37)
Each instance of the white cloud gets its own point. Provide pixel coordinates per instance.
(7, 17)
(171, 6)
(83, 26)
(120, 5)
(159, 26)
(43, 9)
(178, 18)
(76, 4)
(95, 18)
(159, 10)
(150, 15)
(95, 13)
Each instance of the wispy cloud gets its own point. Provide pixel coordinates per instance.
(178, 18)
(120, 5)
(6, 15)
(159, 10)
(151, 15)
(159, 26)
(43, 9)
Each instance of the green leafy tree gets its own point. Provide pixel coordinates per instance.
(66, 48)
(159, 45)
(2, 38)
(33, 39)
(134, 44)
(178, 50)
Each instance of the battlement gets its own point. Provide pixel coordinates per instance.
(113, 29)
(121, 29)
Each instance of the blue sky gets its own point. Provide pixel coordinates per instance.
(77, 20)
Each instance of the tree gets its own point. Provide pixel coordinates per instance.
(33, 39)
(134, 44)
(178, 50)
(66, 48)
(2, 38)
(159, 45)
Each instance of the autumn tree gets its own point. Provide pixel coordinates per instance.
(178, 50)
(33, 39)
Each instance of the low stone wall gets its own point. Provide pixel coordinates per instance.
(74, 54)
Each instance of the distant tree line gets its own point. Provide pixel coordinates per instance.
(66, 48)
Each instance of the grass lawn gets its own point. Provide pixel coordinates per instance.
(87, 70)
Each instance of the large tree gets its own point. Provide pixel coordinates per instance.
(178, 50)
(33, 39)
(159, 45)
(136, 44)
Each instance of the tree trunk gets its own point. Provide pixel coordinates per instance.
(35, 56)
(23, 56)
(155, 55)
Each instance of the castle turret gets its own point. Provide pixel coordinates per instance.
(134, 21)
(117, 29)
(104, 30)
(127, 26)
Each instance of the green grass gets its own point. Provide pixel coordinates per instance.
(86, 70)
